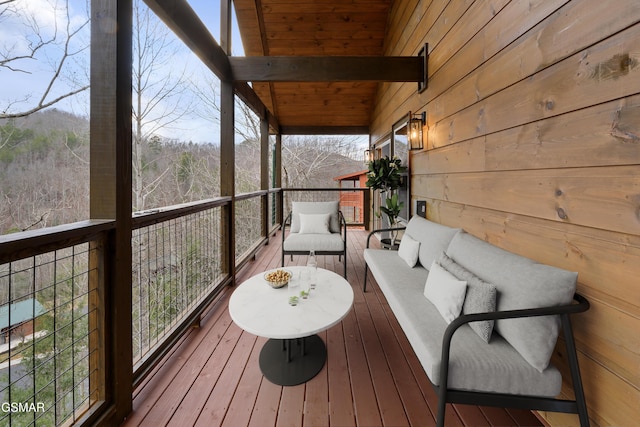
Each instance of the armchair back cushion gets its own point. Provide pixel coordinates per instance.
(315, 208)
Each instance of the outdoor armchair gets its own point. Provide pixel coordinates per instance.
(317, 226)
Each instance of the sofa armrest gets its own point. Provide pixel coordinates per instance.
(579, 305)
(343, 226)
(381, 230)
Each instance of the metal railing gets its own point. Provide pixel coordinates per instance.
(354, 202)
(176, 265)
(53, 284)
(50, 370)
(249, 222)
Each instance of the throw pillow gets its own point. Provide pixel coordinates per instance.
(315, 223)
(409, 250)
(480, 298)
(445, 292)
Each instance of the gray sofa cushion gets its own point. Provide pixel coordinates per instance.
(474, 365)
(318, 242)
(315, 208)
(480, 298)
(434, 238)
(387, 267)
(521, 283)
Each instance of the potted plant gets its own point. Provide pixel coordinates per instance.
(385, 174)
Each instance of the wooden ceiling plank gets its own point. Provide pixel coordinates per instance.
(324, 130)
(284, 9)
(331, 28)
(314, 37)
(308, 28)
(327, 68)
(315, 18)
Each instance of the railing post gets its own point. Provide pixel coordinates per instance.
(367, 209)
(99, 269)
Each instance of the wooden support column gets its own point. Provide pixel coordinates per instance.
(264, 172)
(110, 197)
(227, 149)
(227, 174)
(278, 178)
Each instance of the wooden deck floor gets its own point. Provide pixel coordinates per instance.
(371, 378)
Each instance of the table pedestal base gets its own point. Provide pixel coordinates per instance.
(294, 361)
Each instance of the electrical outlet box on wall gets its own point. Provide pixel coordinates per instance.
(421, 208)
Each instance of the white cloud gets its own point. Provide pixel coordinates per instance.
(46, 14)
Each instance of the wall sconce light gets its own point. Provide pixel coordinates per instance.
(368, 156)
(415, 130)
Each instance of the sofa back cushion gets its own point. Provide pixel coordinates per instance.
(521, 283)
(434, 238)
(315, 208)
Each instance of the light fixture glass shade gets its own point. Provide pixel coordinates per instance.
(368, 156)
(415, 131)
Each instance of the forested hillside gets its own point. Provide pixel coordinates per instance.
(44, 169)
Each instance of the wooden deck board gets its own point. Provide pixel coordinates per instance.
(341, 411)
(265, 411)
(244, 398)
(371, 378)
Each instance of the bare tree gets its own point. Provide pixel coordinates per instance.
(307, 159)
(58, 51)
(159, 89)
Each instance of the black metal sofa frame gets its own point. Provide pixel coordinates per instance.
(577, 406)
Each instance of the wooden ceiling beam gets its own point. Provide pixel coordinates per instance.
(327, 68)
(185, 23)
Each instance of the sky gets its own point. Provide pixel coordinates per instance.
(22, 87)
(20, 90)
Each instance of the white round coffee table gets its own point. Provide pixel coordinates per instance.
(261, 310)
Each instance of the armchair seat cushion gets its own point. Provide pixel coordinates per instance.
(318, 242)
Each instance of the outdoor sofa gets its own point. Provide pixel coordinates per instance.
(497, 350)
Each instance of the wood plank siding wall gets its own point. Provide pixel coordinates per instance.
(534, 145)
